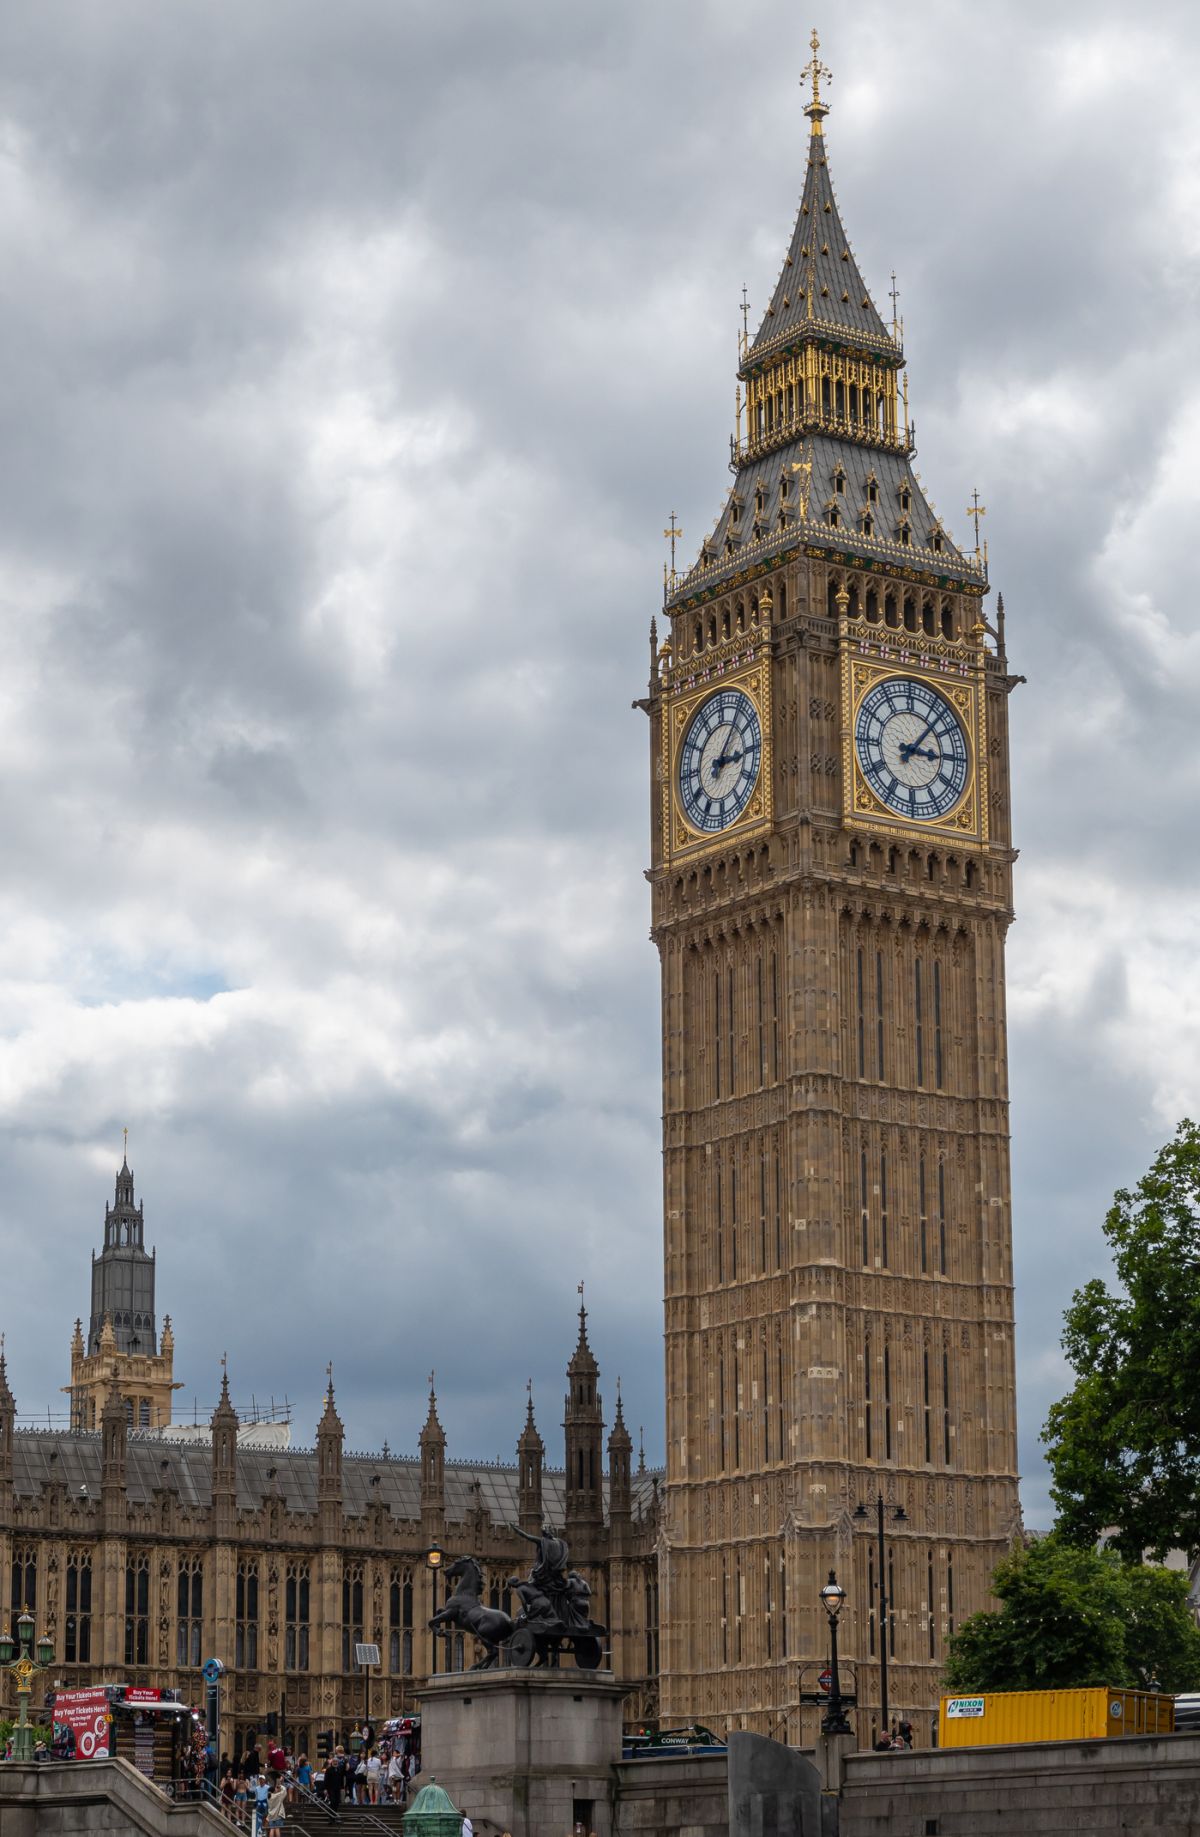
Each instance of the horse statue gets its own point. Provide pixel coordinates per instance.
(465, 1609)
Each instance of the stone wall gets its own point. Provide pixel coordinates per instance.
(99, 1795)
(672, 1798)
(1140, 1786)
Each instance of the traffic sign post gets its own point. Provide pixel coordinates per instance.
(212, 1673)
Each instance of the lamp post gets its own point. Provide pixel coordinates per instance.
(834, 1722)
(433, 1559)
(899, 1516)
(24, 1669)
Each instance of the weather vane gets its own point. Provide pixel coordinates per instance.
(745, 317)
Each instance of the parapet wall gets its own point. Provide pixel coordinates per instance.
(1140, 1786)
(78, 1797)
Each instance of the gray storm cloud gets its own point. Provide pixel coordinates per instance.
(350, 363)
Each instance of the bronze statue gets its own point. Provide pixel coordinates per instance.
(555, 1609)
(490, 1626)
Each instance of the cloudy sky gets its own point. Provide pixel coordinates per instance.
(351, 359)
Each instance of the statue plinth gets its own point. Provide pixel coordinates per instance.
(531, 1750)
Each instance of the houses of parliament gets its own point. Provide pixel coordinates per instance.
(831, 885)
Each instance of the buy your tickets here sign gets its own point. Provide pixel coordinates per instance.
(86, 1714)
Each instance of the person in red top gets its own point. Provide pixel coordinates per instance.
(276, 1758)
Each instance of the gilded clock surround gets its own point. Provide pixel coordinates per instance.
(743, 664)
(955, 671)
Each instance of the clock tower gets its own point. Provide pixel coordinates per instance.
(831, 874)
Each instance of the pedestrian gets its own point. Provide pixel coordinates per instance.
(262, 1798)
(240, 1789)
(276, 1807)
(374, 1775)
(468, 1829)
(335, 1778)
(395, 1777)
(302, 1778)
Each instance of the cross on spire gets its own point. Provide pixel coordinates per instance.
(816, 110)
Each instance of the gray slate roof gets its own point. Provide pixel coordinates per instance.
(819, 256)
(891, 471)
(44, 1457)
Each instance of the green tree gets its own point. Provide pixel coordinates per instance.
(1124, 1444)
(1070, 1616)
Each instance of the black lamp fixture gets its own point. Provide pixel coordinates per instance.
(898, 1515)
(834, 1721)
(434, 1558)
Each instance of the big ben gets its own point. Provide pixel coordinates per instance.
(832, 886)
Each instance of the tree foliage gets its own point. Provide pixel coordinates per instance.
(1071, 1616)
(1124, 1444)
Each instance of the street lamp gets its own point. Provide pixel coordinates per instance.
(899, 1516)
(24, 1667)
(434, 1559)
(834, 1722)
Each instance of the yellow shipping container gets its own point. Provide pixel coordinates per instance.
(999, 1716)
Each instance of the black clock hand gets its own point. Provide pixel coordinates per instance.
(724, 759)
(908, 748)
(918, 752)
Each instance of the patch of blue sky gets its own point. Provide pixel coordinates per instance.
(115, 981)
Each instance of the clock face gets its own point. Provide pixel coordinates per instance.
(911, 749)
(719, 760)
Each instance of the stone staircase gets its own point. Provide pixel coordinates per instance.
(316, 1820)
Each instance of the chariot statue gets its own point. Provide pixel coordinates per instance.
(555, 1611)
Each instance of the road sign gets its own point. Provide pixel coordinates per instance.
(825, 1681)
(214, 1670)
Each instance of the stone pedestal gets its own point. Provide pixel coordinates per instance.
(525, 1751)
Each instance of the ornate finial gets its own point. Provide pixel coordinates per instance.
(672, 533)
(641, 1450)
(895, 294)
(842, 601)
(816, 110)
(432, 1375)
(125, 1155)
(975, 510)
(387, 1453)
(224, 1377)
(804, 467)
(745, 320)
(582, 1311)
(329, 1382)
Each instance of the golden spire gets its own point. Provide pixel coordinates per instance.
(816, 110)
